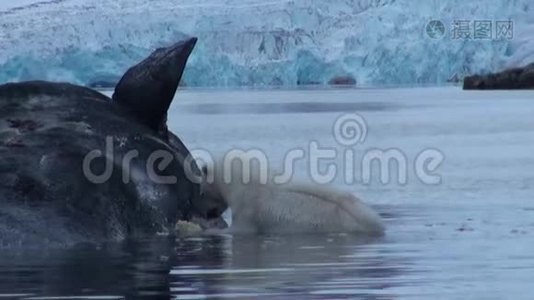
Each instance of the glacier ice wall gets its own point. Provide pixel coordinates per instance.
(260, 42)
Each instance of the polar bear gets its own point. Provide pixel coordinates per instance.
(261, 206)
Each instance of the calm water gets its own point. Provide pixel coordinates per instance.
(469, 237)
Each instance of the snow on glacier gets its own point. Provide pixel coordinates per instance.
(255, 42)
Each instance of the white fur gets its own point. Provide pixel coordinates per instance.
(259, 207)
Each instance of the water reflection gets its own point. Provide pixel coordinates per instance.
(273, 267)
(126, 270)
(284, 108)
(283, 266)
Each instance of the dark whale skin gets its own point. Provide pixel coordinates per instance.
(46, 131)
(153, 76)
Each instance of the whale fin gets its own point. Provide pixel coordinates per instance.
(147, 89)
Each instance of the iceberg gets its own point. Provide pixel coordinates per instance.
(267, 42)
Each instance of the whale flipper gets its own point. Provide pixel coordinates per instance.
(147, 89)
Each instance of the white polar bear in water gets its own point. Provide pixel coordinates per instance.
(260, 206)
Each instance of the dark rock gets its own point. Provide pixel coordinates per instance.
(511, 79)
(342, 80)
(527, 78)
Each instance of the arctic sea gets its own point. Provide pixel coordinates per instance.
(465, 232)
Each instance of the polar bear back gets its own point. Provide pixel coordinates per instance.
(301, 208)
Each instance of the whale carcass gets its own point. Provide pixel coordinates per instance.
(77, 166)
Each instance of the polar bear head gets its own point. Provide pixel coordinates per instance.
(229, 175)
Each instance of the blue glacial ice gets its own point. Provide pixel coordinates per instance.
(261, 42)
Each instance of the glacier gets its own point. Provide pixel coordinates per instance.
(260, 42)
